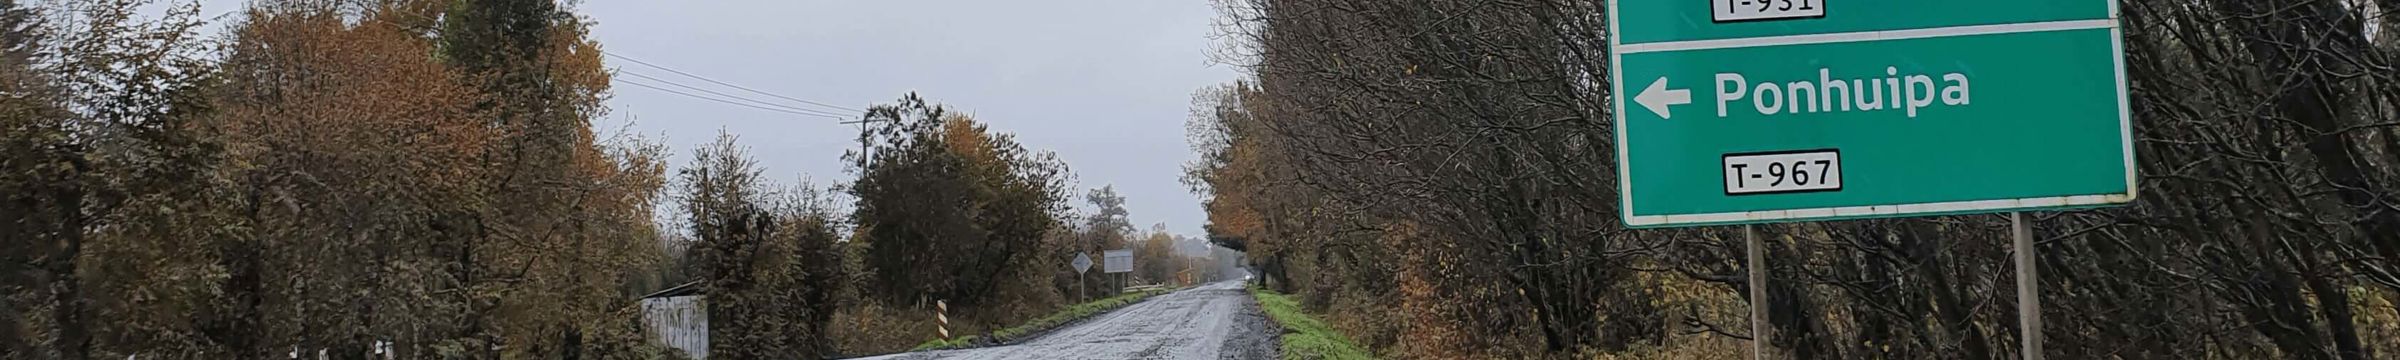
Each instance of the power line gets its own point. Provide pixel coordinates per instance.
(730, 96)
(714, 81)
(728, 102)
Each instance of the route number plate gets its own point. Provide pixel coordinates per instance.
(1783, 172)
(1746, 10)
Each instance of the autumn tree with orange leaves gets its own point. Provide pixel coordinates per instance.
(325, 181)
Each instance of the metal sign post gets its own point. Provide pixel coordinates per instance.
(1755, 112)
(1117, 262)
(2029, 299)
(1758, 292)
(1082, 263)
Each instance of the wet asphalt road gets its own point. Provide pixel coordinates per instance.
(1214, 321)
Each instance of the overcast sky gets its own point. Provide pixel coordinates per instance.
(1105, 83)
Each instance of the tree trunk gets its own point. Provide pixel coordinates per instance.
(1277, 279)
(2283, 318)
(74, 337)
(2316, 99)
(571, 344)
(1871, 268)
(2334, 303)
(12, 344)
(237, 328)
(1792, 311)
(1948, 304)
(14, 251)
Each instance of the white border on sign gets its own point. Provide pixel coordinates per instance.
(1877, 210)
(2116, 39)
(1616, 80)
(1879, 35)
(1618, 49)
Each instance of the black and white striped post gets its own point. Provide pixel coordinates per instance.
(941, 319)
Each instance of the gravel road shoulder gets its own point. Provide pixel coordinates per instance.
(1254, 336)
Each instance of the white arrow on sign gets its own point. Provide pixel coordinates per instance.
(1657, 98)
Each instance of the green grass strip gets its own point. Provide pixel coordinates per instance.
(1305, 337)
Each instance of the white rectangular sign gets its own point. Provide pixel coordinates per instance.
(1117, 261)
(1783, 172)
(1746, 10)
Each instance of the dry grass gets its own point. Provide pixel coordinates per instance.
(872, 328)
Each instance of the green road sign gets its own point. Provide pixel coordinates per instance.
(1754, 111)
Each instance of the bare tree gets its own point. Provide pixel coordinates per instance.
(1450, 150)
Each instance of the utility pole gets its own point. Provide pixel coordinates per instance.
(863, 142)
